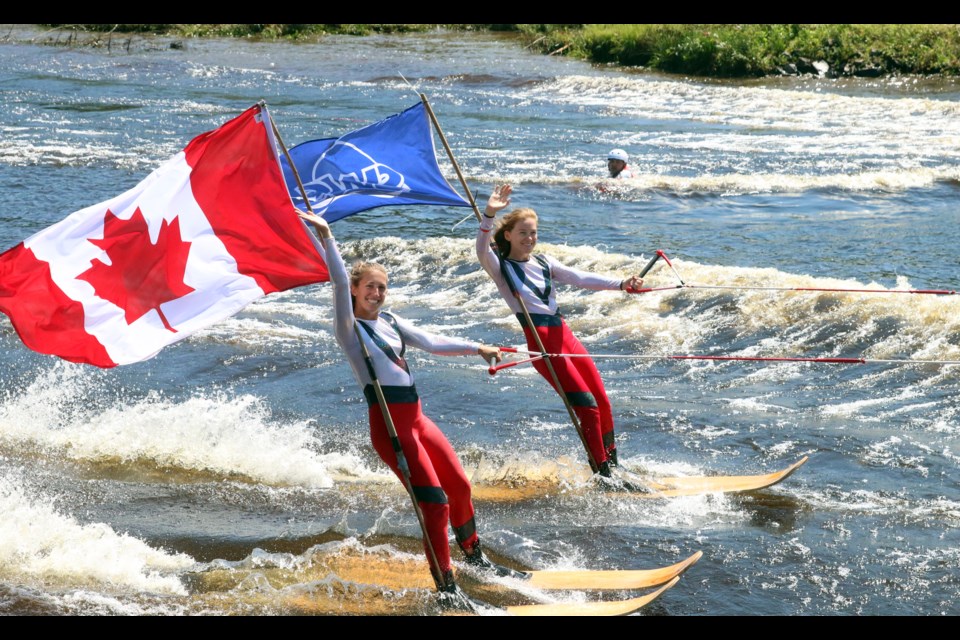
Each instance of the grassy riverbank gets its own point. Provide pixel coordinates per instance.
(752, 50)
(713, 50)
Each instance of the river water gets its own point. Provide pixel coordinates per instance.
(232, 473)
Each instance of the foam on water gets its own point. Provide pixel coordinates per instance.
(213, 433)
(712, 138)
(242, 330)
(41, 545)
(857, 406)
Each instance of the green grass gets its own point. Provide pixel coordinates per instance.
(751, 50)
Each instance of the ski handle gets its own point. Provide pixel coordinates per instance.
(506, 365)
(659, 254)
(650, 264)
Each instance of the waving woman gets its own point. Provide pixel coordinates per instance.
(527, 282)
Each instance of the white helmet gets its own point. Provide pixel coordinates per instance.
(618, 154)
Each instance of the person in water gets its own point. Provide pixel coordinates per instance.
(520, 273)
(438, 481)
(617, 164)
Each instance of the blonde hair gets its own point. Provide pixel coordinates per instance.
(361, 268)
(507, 223)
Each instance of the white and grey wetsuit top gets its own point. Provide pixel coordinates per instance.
(533, 279)
(389, 364)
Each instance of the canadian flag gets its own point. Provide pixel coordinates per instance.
(204, 235)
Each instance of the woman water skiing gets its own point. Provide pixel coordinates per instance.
(436, 478)
(526, 282)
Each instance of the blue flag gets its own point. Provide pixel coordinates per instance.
(391, 162)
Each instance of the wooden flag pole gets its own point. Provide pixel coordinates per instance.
(556, 380)
(443, 139)
(401, 460)
(293, 168)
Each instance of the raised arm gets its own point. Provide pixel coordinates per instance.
(499, 199)
(342, 301)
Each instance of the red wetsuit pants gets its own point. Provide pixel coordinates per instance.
(581, 384)
(439, 481)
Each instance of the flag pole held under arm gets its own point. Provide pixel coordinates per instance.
(546, 357)
(382, 401)
(401, 460)
(594, 465)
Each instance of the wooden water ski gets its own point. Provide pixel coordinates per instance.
(394, 584)
(601, 608)
(610, 579)
(533, 488)
(696, 485)
(656, 488)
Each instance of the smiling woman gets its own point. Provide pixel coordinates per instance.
(405, 439)
(527, 285)
(368, 288)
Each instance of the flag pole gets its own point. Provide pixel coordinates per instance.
(443, 139)
(293, 168)
(526, 314)
(401, 460)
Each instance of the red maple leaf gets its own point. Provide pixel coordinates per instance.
(142, 275)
